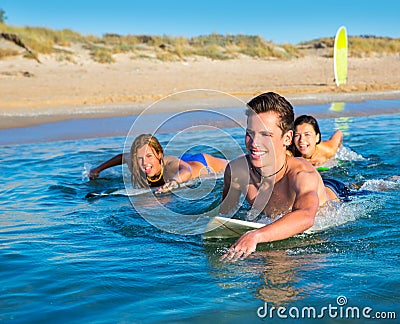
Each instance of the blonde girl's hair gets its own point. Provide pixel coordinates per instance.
(138, 176)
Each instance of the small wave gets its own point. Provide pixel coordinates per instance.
(331, 215)
(335, 214)
(381, 185)
(86, 170)
(324, 247)
(343, 154)
(63, 189)
(346, 154)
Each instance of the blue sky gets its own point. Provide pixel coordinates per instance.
(279, 21)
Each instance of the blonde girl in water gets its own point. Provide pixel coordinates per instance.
(150, 168)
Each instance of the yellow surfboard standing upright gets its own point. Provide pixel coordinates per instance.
(340, 56)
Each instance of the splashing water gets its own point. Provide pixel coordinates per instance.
(97, 260)
(381, 185)
(346, 154)
(86, 171)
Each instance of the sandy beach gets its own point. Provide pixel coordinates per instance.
(54, 90)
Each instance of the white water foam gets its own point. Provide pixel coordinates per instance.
(334, 214)
(343, 154)
(86, 170)
(346, 154)
(381, 184)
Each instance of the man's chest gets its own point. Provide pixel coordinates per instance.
(272, 199)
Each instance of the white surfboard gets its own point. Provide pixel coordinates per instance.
(129, 192)
(118, 192)
(223, 227)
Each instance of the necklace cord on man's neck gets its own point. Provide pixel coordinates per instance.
(270, 175)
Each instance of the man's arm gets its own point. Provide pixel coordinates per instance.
(230, 193)
(116, 160)
(305, 207)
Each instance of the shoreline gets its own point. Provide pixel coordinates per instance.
(25, 118)
(177, 117)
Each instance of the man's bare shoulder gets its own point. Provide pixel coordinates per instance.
(302, 175)
(297, 165)
(238, 169)
(241, 161)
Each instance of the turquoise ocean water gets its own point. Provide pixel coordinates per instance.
(65, 258)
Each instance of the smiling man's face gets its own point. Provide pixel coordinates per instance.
(264, 140)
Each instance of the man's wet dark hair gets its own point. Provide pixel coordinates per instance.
(272, 101)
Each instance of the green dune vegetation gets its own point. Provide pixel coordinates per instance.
(360, 46)
(38, 41)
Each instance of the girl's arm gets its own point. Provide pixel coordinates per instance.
(116, 160)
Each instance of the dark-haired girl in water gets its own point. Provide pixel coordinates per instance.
(307, 141)
(150, 168)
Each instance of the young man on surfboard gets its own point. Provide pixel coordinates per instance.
(271, 181)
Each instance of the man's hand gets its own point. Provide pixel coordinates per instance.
(242, 248)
